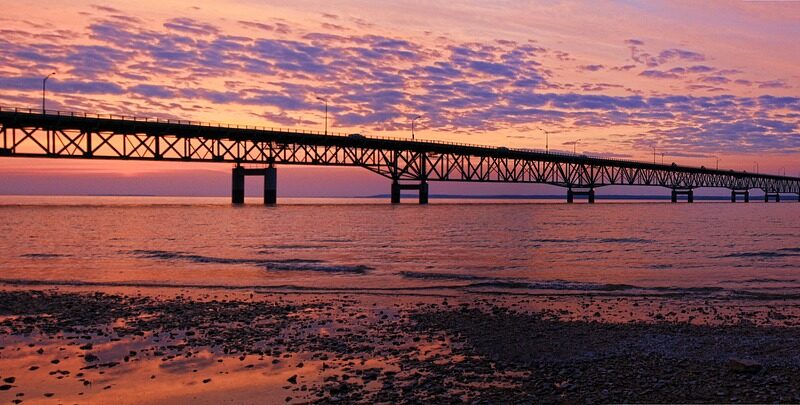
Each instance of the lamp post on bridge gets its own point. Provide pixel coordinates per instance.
(44, 90)
(575, 146)
(546, 140)
(717, 157)
(662, 158)
(412, 125)
(326, 113)
(654, 155)
(756, 166)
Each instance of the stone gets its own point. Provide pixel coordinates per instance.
(744, 366)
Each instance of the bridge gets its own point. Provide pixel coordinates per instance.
(410, 165)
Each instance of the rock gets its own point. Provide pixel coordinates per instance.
(5, 387)
(10, 380)
(293, 379)
(90, 358)
(744, 366)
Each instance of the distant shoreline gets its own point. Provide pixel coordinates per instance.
(554, 197)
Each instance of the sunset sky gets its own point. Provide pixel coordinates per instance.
(696, 80)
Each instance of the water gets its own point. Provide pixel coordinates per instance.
(467, 246)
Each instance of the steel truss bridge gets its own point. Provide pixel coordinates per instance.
(409, 164)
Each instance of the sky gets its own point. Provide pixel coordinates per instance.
(704, 83)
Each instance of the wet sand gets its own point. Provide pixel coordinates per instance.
(63, 344)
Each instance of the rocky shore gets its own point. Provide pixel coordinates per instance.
(253, 347)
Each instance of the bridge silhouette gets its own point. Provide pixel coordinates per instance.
(256, 151)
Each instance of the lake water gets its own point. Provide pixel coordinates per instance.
(351, 244)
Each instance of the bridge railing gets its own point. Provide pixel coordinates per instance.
(130, 118)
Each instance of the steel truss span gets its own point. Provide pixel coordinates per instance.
(410, 164)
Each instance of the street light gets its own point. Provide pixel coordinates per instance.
(326, 113)
(44, 89)
(412, 125)
(574, 146)
(756, 163)
(546, 140)
(654, 155)
(717, 157)
(662, 158)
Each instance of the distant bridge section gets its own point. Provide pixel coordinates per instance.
(409, 164)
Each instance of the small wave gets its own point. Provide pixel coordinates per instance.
(766, 280)
(563, 285)
(594, 240)
(784, 252)
(284, 264)
(558, 285)
(661, 266)
(43, 255)
(442, 276)
(624, 240)
(267, 248)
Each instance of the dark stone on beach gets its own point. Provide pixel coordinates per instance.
(5, 387)
(206, 381)
(293, 379)
(10, 380)
(33, 368)
(90, 358)
(48, 394)
(55, 361)
(87, 346)
(744, 366)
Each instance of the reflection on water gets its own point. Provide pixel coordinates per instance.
(367, 244)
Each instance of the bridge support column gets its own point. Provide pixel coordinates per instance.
(237, 185)
(744, 193)
(395, 192)
(689, 193)
(423, 192)
(776, 196)
(270, 185)
(571, 194)
(421, 188)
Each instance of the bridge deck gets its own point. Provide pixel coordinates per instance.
(27, 133)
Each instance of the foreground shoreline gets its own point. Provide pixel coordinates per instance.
(137, 346)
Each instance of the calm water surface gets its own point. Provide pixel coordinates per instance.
(510, 247)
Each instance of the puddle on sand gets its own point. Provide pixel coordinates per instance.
(136, 371)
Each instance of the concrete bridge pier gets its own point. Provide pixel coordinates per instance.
(571, 194)
(421, 188)
(689, 193)
(237, 185)
(743, 193)
(768, 195)
(270, 185)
